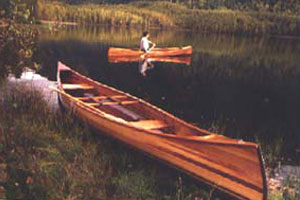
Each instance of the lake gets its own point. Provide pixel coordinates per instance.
(245, 88)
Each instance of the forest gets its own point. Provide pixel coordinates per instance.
(292, 6)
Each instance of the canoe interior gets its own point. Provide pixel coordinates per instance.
(123, 106)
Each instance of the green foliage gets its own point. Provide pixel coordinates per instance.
(135, 184)
(272, 152)
(18, 10)
(166, 14)
(95, 14)
(275, 196)
(291, 6)
(18, 41)
(17, 48)
(45, 158)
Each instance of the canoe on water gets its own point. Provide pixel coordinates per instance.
(179, 59)
(233, 166)
(155, 52)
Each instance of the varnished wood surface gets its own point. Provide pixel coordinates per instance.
(156, 52)
(233, 166)
(178, 59)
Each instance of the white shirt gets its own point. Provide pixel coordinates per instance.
(144, 44)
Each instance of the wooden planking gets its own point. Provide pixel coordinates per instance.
(111, 103)
(102, 97)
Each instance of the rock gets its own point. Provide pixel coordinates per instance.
(32, 79)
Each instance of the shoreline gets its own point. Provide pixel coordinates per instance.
(69, 23)
(42, 22)
(175, 16)
(277, 178)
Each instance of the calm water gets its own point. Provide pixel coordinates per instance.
(246, 88)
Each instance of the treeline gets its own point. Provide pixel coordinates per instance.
(172, 15)
(21, 11)
(292, 6)
(17, 38)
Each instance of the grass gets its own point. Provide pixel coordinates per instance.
(96, 14)
(169, 15)
(44, 152)
(49, 155)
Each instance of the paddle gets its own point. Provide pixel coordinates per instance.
(152, 47)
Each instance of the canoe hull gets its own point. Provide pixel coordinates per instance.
(178, 59)
(209, 160)
(156, 52)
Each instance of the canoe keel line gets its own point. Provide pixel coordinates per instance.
(233, 166)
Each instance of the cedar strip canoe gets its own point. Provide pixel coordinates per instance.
(155, 52)
(233, 166)
(179, 59)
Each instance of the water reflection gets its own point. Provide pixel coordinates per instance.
(179, 59)
(147, 63)
(242, 87)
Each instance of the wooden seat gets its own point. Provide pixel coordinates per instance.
(67, 86)
(111, 103)
(149, 124)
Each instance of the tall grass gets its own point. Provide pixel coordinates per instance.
(52, 156)
(102, 14)
(49, 155)
(166, 14)
(44, 151)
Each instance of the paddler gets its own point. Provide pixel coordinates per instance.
(146, 45)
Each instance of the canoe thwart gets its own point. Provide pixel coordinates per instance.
(111, 103)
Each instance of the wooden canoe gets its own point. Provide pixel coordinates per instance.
(233, 166)
(179, 59)
(155, 52)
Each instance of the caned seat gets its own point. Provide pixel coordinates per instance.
(68, 86)
(149, 124)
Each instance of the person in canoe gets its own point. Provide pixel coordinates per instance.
(146, 45)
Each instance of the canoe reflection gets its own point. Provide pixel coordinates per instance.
(179, 59)
(145, 65)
